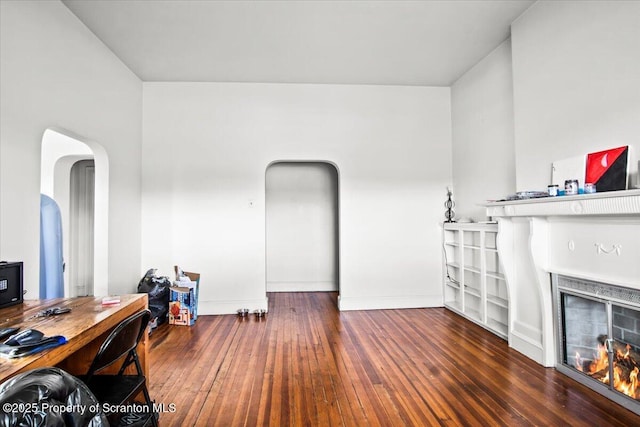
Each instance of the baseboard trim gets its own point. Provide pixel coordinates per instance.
(344, 304)
(302, 287)
(528, 347)
(231, 307)
(382, 303)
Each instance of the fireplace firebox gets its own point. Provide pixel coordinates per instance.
(598, 337)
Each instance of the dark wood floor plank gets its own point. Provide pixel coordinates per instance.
(307, 364)
(396, 389)
(320, 404)
(412, 378)
(362, 404)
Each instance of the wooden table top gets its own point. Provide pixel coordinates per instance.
(87, 320)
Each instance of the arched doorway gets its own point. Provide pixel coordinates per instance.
(302, 227)
(74, 188)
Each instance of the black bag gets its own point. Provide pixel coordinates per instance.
(48, 397)
(157, 288)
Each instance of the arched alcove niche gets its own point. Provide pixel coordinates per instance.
(302, 226)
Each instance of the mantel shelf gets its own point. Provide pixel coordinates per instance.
(619, 203)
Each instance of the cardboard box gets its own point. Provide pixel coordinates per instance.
(186, 278)
(182, 305)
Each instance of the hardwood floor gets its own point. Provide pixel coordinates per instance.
(307, 364)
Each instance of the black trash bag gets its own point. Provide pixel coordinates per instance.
(49, 397)
(157, 288)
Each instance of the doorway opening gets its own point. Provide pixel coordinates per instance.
(81, 224)
(74, 174)
(302, 227)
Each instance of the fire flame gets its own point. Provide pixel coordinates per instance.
(622, 362)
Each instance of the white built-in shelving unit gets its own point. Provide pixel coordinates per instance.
(474, 284)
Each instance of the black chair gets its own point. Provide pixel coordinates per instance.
(121, 388)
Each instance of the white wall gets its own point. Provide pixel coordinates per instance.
(206, 148)
(56, 74)
(576, 73)
(302, 227)
(483, 142)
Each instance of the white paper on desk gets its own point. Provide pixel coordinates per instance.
(572, 168)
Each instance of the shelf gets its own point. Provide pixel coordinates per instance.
(453, 265)
(472, 269)
(450, 284)
(472, 291)
(472, 314)
(501, 329)
(455, 305)
(500, 302)
(471, 257)
(495, 275)
(471, 226)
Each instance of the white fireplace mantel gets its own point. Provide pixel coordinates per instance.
(611, 203)
(588, 236)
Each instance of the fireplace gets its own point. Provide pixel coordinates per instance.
(573, 276)
(598, 337)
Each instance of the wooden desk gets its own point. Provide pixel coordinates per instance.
(85, 328)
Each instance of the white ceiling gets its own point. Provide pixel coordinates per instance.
(428, 43)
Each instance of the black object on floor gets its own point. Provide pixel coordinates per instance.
(29, 390)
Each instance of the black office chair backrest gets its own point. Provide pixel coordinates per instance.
(122, 340)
